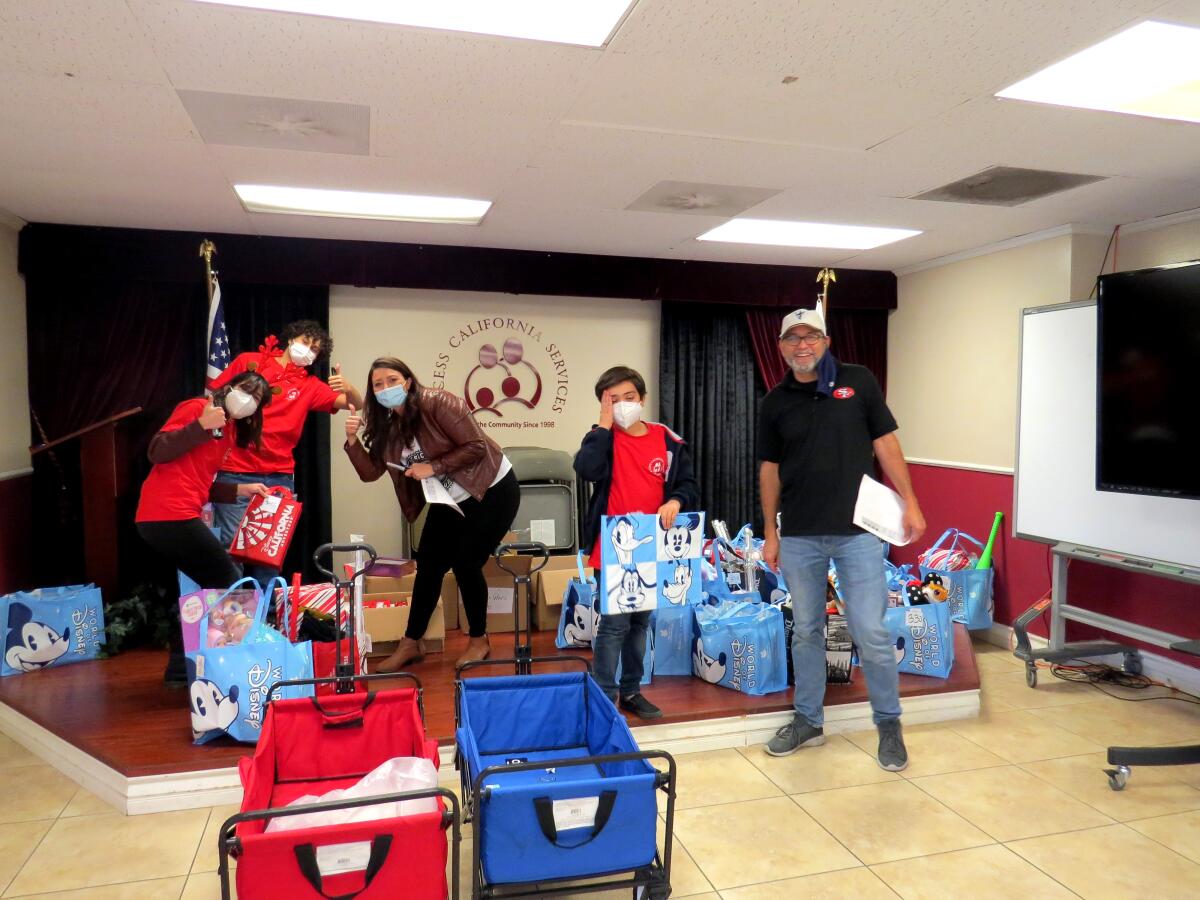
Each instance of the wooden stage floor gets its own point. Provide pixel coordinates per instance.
(119, 712)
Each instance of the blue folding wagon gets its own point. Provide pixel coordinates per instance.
(557, 788)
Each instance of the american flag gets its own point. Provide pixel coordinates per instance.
(218, 338)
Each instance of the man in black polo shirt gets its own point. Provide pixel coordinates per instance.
(819, 431)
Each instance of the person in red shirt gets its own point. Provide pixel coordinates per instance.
(296, 393)
(636, 467)
(187, 452)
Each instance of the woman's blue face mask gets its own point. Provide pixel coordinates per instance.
(392, 397)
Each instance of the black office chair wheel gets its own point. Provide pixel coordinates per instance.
(1118, 777)
(1031, 675)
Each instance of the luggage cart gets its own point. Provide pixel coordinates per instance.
(317, 744)
(556, 788)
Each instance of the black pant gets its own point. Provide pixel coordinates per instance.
(462, 543)
(192, 549)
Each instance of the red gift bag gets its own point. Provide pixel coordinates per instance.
(267, 528)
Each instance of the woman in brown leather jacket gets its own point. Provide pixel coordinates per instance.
(431, 445)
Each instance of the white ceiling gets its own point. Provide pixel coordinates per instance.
(890, 98)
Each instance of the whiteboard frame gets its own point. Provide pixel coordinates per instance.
(1191, 567)
(1031, 311)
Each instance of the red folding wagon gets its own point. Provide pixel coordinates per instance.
(314, 745)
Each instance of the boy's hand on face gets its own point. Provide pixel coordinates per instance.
(606, 414)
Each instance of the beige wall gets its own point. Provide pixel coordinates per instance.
(1142, 249)
(952, 342)
(14, 387)
(566, 341)
(952, 350)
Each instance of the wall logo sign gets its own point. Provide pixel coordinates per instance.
(520, 382)
(510, 387)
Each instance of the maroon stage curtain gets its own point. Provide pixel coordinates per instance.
(856, 336)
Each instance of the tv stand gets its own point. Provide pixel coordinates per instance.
(1059, 650)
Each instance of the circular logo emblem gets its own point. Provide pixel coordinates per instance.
(844, 393)
(658, 467)
(192, 610)
(293, 394)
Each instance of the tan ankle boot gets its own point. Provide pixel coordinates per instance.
(477, 648)
(406, 653)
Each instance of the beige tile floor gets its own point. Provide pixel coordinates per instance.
(1011, 804)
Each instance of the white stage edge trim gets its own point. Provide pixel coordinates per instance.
(216, 787)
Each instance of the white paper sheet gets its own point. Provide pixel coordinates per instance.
(880, 511)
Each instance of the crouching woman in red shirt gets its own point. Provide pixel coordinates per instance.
(187, 452)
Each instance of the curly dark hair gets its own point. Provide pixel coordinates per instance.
(249, 429)
(311, 330)
(391, 428)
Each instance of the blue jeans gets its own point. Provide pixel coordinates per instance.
(859, 562)
(620, 636)
(227, 516)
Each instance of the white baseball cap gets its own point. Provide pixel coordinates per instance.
(810, 317)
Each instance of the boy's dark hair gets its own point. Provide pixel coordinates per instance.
(615, 376)
(311, 330)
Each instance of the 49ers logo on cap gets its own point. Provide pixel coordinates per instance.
(844, 393)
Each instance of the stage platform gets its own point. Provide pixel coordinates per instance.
(113, 727)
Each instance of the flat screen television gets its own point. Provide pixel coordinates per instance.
(1148, 404)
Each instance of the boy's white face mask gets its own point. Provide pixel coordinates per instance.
(627, 413)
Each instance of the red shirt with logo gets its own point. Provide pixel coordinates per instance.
(295, 394)
(639, 472)
(175, 491)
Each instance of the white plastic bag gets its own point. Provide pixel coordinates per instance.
(401, 773)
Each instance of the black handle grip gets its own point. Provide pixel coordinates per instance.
(330, 549)
(533, 547)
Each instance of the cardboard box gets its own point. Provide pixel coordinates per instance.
(386, 624)
(500, 593)
(549, 585)
(384, 584)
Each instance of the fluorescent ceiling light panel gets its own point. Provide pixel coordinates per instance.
(780, 233)
(1151, 69)
(264, 198)
(585, 22)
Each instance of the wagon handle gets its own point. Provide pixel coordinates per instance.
(304, 682)
(541, 554)
(330, 549)
(566, 657)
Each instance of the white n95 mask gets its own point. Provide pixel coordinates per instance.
(627, 413)
(300, 354)
(239, 404)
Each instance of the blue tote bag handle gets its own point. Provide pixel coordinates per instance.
(583, 579)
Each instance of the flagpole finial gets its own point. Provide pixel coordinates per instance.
(825, 276)
(207, 249)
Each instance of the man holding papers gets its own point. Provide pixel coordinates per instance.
(819, 432)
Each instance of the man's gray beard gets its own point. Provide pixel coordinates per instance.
(803, 368)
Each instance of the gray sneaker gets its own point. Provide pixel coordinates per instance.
(794, 735)
(893, 757)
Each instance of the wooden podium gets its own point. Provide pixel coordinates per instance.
(102, 458)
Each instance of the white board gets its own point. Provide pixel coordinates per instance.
(1056, 497)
